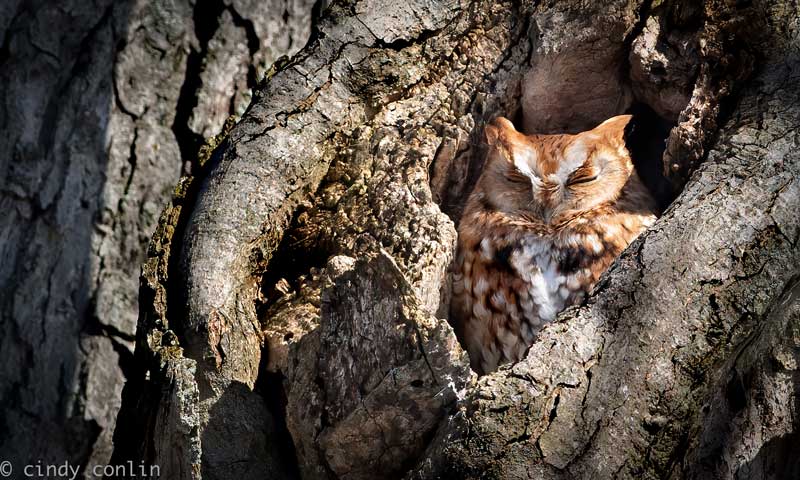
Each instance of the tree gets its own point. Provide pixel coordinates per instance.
(103, 105)
(295, 292)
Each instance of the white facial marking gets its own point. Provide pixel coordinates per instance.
(574, 157)
(602, 159)
(523, 159)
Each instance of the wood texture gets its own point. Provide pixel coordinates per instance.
(289, 278)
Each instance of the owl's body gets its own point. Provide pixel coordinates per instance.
(546, 218)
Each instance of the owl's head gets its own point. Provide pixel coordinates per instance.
(552, 177)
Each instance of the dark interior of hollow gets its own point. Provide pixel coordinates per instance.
(646, 139)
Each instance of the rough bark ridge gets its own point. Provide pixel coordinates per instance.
(296, 289)
(101, 105)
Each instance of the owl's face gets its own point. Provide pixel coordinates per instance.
(554, 177)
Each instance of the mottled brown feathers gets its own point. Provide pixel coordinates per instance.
(546, 218)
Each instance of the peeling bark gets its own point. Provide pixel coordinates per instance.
(298, 282)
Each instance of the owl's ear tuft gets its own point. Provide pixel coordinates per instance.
(492, 134)
(614, 128)
(504, 124)
(498, 131)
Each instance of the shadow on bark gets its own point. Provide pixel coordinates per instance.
(100, 102)
(62, 358)
(776, 460)
(242, 422)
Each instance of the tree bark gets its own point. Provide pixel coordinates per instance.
(103, 105)
(296, 289)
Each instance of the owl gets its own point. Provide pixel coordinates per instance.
(546, 218)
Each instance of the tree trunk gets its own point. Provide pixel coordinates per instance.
(103, 105)
(296, 290)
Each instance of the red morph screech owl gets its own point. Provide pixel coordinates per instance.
(546, 218)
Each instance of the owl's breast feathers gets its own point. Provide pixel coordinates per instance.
(513, 275)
